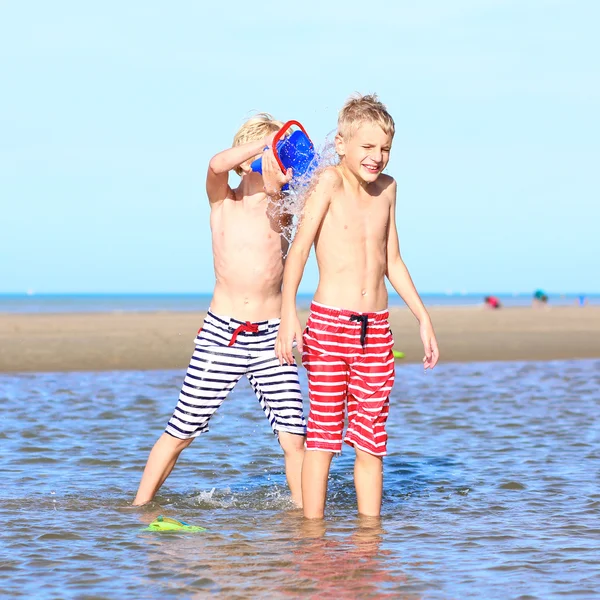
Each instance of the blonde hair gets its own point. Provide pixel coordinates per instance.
(254, 129)
(360, 109)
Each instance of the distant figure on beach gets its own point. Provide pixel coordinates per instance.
(238, 334)
(540, 299)
(350, 216)
(492, 302)
(581, 300)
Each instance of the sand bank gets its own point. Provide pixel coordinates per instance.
(164, 340)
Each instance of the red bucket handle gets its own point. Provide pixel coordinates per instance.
(279, 135)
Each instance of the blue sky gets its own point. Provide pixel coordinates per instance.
(110, 111)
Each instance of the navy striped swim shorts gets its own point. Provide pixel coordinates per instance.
(227, 349)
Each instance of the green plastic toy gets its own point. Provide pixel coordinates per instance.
(167, 524)
(398, 354)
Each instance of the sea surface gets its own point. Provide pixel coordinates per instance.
(491, 491)
(66, 303)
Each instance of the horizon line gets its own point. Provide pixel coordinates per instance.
(33, 294)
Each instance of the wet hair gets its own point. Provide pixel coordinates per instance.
(254, 129)
(364, 109)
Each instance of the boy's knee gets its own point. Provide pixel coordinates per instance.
(368, 460)
(176, 444)
(291, 443)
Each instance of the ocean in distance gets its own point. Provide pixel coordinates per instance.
(81, 303)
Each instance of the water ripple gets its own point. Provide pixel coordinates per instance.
(491, 491)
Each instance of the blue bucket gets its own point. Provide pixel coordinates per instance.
(295, 152)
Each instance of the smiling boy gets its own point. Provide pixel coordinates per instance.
(347, 344)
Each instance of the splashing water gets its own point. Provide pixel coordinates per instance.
(289, 208)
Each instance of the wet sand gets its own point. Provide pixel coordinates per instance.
(164, 340)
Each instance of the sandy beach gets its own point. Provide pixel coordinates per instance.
(164, 340)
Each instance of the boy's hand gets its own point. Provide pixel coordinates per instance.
(273, 178)
(432, 354)
(289, 330)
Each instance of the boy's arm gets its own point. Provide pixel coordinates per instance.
(217, 177)
(400, 278)
(313, 214)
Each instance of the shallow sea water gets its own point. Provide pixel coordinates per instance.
(491, 491)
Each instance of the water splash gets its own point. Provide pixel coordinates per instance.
(206, 496)
(272, 497)
(289, 209)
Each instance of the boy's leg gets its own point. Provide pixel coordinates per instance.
(368, 481)
(366, 432)
(211, 375)
(371, 381)
(327, 390)
(278, 391)
(161, 461)
(315, 472)
(293, 455)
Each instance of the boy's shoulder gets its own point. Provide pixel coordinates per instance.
(330, 177)
(326, 183)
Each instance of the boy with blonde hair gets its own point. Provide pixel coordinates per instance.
(238, 334)
(347, 344)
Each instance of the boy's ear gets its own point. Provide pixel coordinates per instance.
(245, 166)
(339, 145)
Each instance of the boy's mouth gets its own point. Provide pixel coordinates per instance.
(372, 168)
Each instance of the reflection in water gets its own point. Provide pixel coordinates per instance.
(296, 556)
(348, 564)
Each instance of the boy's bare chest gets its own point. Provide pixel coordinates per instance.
(354, 220)
(240, 223)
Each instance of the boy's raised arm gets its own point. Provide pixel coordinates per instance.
(313, 214)
(400, 278)
(217, 177)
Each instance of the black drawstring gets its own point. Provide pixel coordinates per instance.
(363, 326)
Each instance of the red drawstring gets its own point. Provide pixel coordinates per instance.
(247, 326)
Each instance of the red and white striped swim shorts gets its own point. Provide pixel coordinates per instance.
(348, 356)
